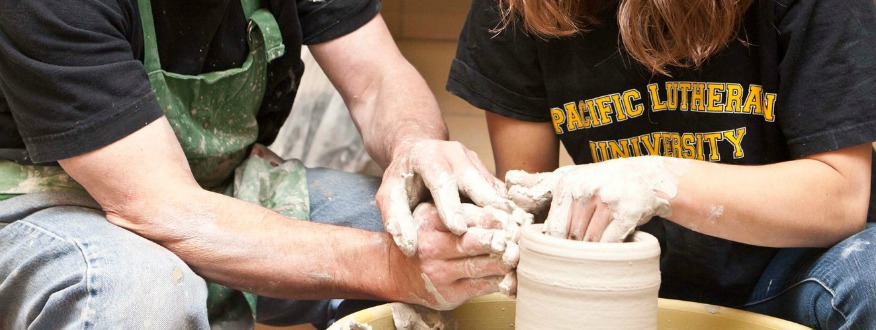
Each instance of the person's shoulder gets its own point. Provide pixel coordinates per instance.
(69, 13)
(70, 6)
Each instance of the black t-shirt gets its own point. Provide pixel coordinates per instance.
(72, 77)
(804, 84)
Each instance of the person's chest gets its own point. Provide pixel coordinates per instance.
(193, 37)
(603, 104)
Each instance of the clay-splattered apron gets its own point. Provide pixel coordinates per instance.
(214, 118)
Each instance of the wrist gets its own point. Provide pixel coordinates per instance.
(382, 283)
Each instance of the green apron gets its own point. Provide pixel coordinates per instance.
(214, 118)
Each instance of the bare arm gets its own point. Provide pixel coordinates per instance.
(144, 185)
(404, 131)
(521, 145)
(815, 201)
(390, 102)
(811, 202)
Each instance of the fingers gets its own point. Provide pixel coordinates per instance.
(557, 222)
(532, 192)
(481, 186)
(446, 195)
(399, 220)
(616, 232)
(511, 257)
(480, 241)
(580, 217)
(508, 286)
(484, 217)
(479, 267)
(470, 177)
(483, 285)
(438, 178)
(598, 222)
(464, 289)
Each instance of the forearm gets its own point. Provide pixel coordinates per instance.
(790, 204)
(403, 110)
(250, 248)
(387, 98)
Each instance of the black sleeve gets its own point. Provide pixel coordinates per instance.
(498, 72)
(827, 74)
(326, 20)
(69, 77)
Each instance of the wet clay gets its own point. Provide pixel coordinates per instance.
(565, 284)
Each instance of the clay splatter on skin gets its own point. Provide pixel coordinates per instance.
(715, 212)
(376, 239)
(322, 277)
(439, 299)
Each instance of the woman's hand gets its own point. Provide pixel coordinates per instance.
(601, 202)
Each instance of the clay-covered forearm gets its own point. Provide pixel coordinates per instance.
(811, 202)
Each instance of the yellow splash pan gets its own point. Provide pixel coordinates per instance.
(496, 311)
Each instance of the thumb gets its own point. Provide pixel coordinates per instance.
(399, 221)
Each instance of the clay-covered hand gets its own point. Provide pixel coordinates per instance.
(442, 169)
(602, 202)
(447, 269)
(511, 224)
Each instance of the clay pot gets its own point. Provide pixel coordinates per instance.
(565, 284)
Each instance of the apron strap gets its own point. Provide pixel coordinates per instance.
(249, 7)
(150, 45)
(270, 32)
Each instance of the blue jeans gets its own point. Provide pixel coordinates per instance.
(822, 289)
(62, 265)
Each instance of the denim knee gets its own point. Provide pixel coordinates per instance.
(828, 290)
(850, 269)
(68, 267)
(343, 199)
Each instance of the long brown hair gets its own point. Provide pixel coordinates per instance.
(657, 33)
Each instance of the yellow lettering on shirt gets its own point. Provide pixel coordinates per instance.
(633, 110)
(656, 103)
(714, 102)
(734, 98)
(573, 121)
(735, 137)
(558, 118)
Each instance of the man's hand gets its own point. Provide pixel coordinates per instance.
(443, 169)
(602, 202)
(447, 269)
